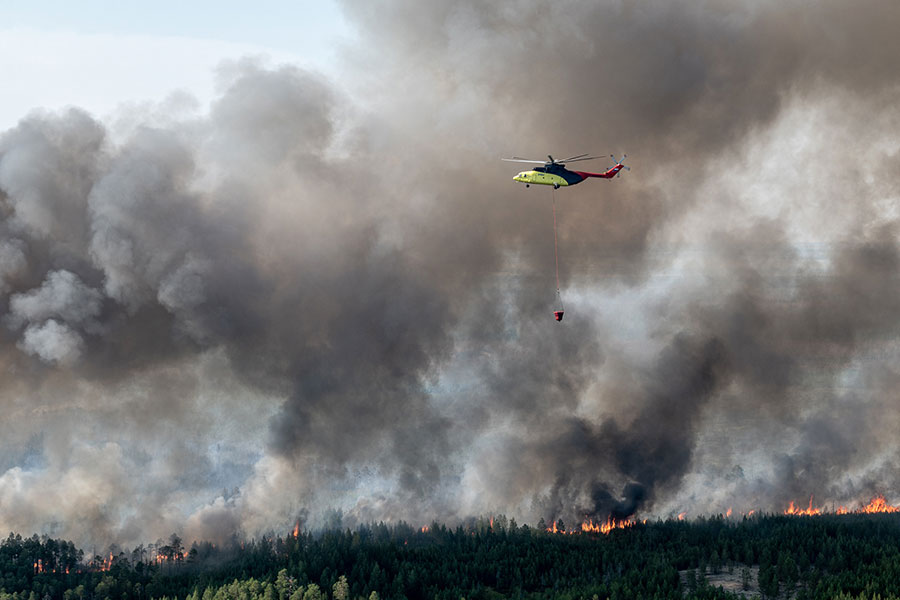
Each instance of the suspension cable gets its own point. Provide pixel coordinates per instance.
(556, 246)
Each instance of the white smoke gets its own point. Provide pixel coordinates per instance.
(307, 299)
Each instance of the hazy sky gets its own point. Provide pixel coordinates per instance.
(309, 283)
(99, 54)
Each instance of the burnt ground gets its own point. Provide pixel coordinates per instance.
(731, 582)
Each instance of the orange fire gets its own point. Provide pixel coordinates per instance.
(103, 565)
(297, 529)
(589, 526)
(792, 510)
(728, 513)
(424, 529)
(162, 558)
(877, 505)
(615, 524)
(681, 515)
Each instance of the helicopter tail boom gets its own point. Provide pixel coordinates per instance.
(605, 175)
(609, 173)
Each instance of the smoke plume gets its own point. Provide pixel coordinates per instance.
(326, 293)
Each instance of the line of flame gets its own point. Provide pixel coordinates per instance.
(877, 505)
(589, 526)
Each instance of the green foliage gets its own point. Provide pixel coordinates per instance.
(313, 592)
(850, 556)
(341, 589)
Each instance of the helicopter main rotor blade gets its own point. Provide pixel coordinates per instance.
(586, 158)
(573, 157)
(524, 160)
(552, 160)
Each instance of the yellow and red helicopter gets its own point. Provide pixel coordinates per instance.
(555, 173)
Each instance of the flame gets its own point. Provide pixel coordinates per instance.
(297, 529)
(879, 505)
(492, 522)
(615, 524)
(162, 558)
(803, 511)
(681, 515)
(750, 514)
(424, 529)
(728, 512)
(589, 526)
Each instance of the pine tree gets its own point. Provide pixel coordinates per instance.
(313, 592)
(340, 590)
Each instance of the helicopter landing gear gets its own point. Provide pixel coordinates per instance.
(527, 185)
(555, 186)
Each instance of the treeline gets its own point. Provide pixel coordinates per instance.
(848, 556)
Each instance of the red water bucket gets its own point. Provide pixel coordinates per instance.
(558, 314)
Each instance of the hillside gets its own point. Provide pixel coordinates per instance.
(780, 556)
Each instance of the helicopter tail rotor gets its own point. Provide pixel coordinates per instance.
(620, 161)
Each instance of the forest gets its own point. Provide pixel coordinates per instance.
(775, 556)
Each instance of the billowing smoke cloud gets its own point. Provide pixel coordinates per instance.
(317, 297)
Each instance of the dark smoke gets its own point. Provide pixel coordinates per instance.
(332, 297)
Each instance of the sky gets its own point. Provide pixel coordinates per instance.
(103, 54)
(261, 269)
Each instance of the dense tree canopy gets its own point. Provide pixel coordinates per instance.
(848, 556)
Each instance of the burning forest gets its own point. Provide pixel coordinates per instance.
(815, 557)
(876, 505)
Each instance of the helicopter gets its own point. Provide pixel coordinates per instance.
(555, 173)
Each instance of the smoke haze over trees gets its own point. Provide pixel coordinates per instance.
(325, 291)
